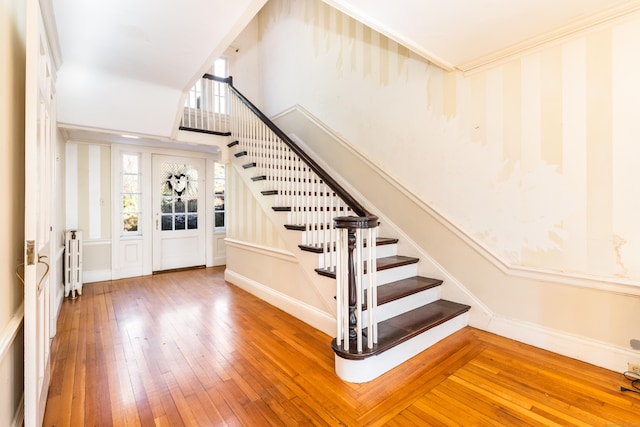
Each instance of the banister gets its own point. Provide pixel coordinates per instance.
(314, 199)
(357, 208)
(227, 80)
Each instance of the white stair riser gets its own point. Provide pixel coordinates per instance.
(360, 371)
(381, 252)
(397, 273)
(408, 303)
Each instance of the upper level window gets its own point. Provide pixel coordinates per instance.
(220, 67)
(210, 95)
(130, 194)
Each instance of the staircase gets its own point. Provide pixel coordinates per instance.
(411, 315)
(386, 312)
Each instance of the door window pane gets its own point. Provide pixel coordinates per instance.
(179, 188)
(192, 222)
(167, 222)
(180, 223)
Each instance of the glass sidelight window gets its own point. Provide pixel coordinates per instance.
(130, 194)
(179, 197)
(219, 181)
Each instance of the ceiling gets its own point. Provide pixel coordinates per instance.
(466, 34)
(127, 63)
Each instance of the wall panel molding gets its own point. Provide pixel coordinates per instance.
(10, 331)
(606, 284)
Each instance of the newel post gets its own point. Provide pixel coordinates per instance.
(353, 227)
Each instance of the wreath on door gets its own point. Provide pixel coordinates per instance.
(179, 182)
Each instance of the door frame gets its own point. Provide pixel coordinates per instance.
(39, 144)
(140, 247)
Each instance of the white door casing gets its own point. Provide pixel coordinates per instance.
(179, 218)
(39, 131)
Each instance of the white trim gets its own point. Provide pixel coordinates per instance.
(612, 285)
(18, 417)
(97, 242)
(10, 331)
(310, 315)
(262, 250)
(96, 276)
(587, 350)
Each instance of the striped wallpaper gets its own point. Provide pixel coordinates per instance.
(535, 157)
(88, 189)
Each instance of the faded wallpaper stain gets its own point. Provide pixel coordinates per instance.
(531, 157)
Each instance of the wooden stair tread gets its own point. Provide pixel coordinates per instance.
(401, 288)
(318, 248)
(392, 262)
(381, 264)
(403, 327)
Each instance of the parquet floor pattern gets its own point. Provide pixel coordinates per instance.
(189, 349)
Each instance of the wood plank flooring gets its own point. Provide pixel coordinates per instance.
(186, 348)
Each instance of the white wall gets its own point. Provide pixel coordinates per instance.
(12, 122)
(530, 161)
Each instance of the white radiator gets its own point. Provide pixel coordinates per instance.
(73, 263)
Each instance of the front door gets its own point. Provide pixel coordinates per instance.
(178, 212)
(39, 129)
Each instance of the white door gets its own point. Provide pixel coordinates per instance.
(178, 212)
(40, 122)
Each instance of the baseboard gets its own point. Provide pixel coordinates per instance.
(96, 276)
(18, 418)
(300, 310)
(587, 350)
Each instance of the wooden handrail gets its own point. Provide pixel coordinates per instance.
(227, 80)
(357, 208)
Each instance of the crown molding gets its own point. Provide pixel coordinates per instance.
(571, 29)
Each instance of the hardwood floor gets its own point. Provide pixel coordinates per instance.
(186, 348)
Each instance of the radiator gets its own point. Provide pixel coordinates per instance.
(73, 264)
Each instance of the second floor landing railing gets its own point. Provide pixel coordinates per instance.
(206, 108)
(333, 222)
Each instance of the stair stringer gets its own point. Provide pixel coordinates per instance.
(496, 287)
(323, 287)
(308, 127)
